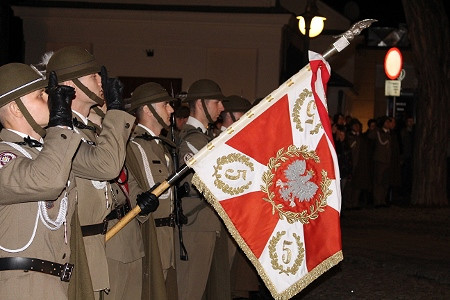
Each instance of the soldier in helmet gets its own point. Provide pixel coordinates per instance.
(101, 155)
(150, 162)
(202, 233)
(34, 211)
(235, 107)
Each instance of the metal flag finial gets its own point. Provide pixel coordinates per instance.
(346, 37)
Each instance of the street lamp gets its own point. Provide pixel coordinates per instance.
(310, 23)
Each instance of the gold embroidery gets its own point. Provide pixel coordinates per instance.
(269, 98)
(230, 130)
(297, 286)
(274, 163)
(287, 254)
(250, 114)
(309, 111)
(210, 146)
(232, 174)
(289, 82)
(298, 106)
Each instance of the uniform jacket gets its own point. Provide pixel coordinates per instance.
(160, 168)
(99, 159)
(125, 246)
(153, 284)
(201, 216)
(23, 182)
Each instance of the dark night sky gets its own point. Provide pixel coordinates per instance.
(388, 12)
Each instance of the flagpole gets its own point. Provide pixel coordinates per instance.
(159, 190)
(341, 43)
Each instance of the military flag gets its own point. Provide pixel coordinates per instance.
(273, 178)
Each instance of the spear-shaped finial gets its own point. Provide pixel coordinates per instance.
(346, 37)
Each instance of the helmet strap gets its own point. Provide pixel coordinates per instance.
(205, 109)
(88, 92)
(157, 117)
(232, 116)
(98, 111)
(38, 129)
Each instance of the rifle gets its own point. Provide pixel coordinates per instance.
(180, 192)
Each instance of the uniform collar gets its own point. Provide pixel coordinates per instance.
(82, 118)
(196, 123)
(147, 129)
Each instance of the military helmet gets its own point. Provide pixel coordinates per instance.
(204, 89)
(17, 80)
(235, 103)
(148, 93)
(72, 62)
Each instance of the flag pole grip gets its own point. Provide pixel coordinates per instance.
(136, 210)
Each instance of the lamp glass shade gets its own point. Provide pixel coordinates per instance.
(317, 24)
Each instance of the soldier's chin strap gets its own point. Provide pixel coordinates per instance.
(88, 92)
(98, 111)
(38, 129)
(157, 117)
(205, 109)
(232, 116)
(209, 131)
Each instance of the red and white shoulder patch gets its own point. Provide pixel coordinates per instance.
(6, 157)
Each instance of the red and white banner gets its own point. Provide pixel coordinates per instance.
(273, 178)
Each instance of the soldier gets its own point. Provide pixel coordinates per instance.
(235, 107)
(125, 250)
(149, 161)
(35, 213)
(202, 233)
(101, 155)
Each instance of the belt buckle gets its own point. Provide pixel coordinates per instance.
(66, 272)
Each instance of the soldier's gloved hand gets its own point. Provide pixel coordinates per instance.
(112, 91)
(147, 202)
(59, 102)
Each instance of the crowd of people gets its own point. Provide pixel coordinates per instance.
(76, 157)
(376, 165)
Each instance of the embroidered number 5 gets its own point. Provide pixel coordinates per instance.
(287, 253)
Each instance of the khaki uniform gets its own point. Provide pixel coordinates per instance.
(23, 182)
(124, 252)
(201, 236)
(100, 158)
(140, 153)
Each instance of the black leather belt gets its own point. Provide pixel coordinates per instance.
(64, 272)
(102, 228)
(169, 221)
(94, 229)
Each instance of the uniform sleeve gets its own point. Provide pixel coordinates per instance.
(26, 180)
(105, 160)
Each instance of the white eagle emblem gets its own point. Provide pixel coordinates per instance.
(298, 184)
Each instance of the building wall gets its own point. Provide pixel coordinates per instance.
(239, 51)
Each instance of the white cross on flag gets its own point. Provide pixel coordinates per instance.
(273, 178)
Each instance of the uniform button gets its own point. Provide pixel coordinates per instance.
(127, 125)
(63, 136)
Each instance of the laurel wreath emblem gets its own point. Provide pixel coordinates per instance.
(296, 112)
(274, 163)
(274, 256)
(298, 104)
(230, 158)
